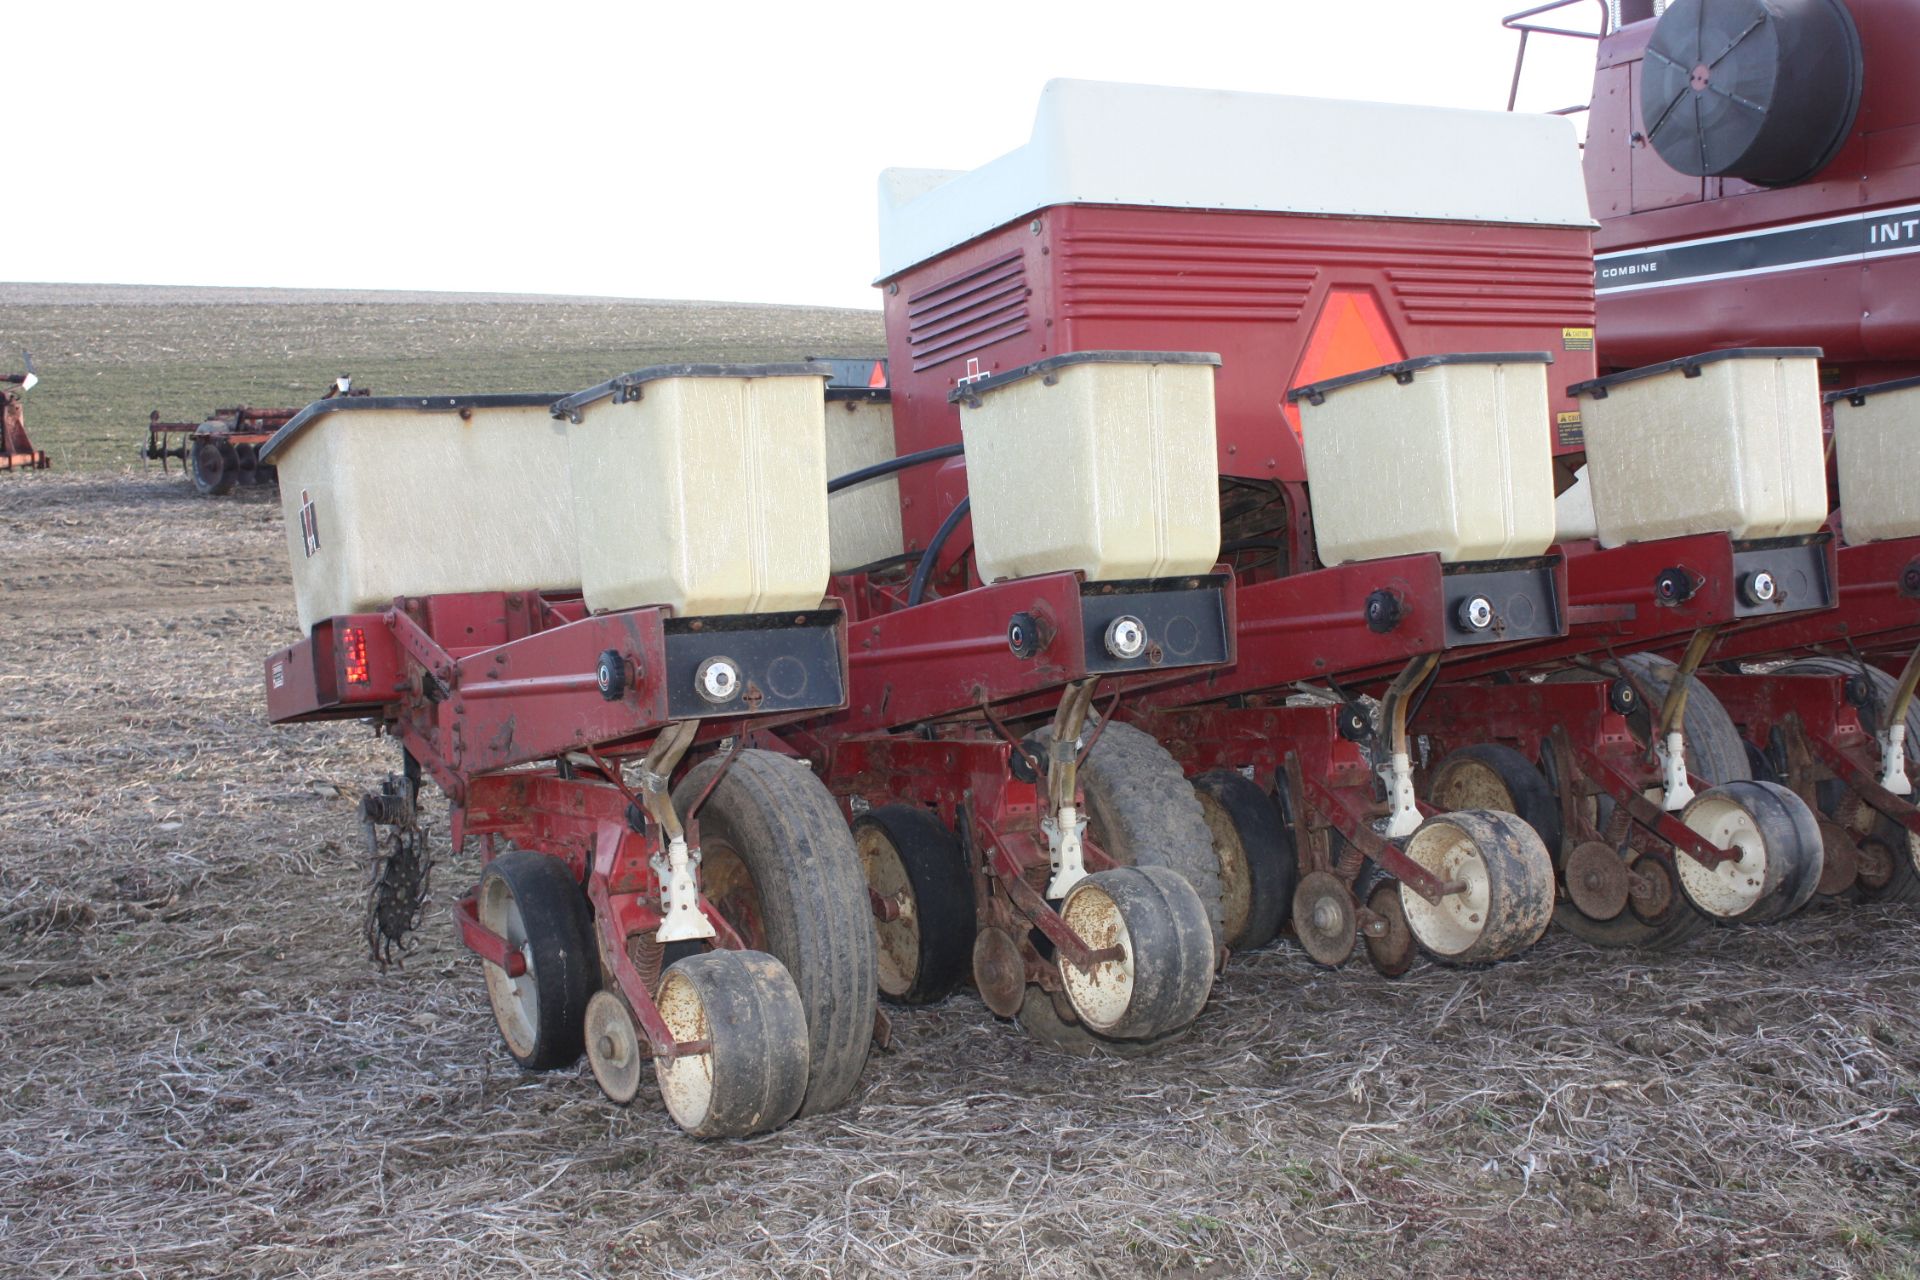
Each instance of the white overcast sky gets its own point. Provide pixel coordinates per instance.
(709, 151)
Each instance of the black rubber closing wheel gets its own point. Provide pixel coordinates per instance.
(753, 1076)
(913, 862)
(1780, 847)
(1715, 753)
(1142, 812)
(1491, 776)
(214, 473)
(1161, 980)
(1258, 868)
(779, 863)
(1901, 848)
(533, 901)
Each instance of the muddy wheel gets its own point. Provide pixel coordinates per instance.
(1258, 868)
(533, 901)
(1508, 900)
(1161, 979)
(614, 1048)
(779, 863)
(214, 473)
(1895, 855)
(913, 861)
(754, 1074)
(1715, 752)
(1391, 953)
(1142, 812)
(1780, 848)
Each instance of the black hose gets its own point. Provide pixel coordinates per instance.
(932, 555)
(892, 465)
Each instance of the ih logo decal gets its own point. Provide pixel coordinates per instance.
(309, 525)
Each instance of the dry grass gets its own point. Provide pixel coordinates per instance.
(200, 1075)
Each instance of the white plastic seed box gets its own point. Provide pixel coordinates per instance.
(702, 488)
(1727, 441)
(1876, 442)
(1447, 455)
(1101, 462)
(417, 496)
(863, 520)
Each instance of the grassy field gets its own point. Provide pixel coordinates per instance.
(109, 354)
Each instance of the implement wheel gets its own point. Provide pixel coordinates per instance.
(1890, 869)
(1142, 812)
(215, 471)
(779, 863)
(1508, 900)
(1160, 980)
(1258, 868)
(1780, 847)
(914, 863)
(1491, 776)
(533, 901)
(1660, 916)
(752, 1075)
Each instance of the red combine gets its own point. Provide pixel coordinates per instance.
(1754, 172)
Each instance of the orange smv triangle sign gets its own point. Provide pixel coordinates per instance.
(1351, 334)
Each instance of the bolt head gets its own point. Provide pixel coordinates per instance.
(1476, 613)
(1761, 587)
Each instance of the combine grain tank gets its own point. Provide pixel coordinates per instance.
(653, 892)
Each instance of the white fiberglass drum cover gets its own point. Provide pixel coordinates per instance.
(1446, 454)
(406, 496)
(1164, 147)
(702, 488)
(1098, 462)
(1723, 442)
(1876, 441)
(863, 521)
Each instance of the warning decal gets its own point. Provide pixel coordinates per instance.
(1569, 433)
(1576, 339)
(309, 525)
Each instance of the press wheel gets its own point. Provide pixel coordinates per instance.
(1779, 846)
(1508, 898)
(751, 1074)
(1161, 978)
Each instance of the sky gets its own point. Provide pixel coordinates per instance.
(700, 151)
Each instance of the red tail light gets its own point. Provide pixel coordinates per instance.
(356, 653)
